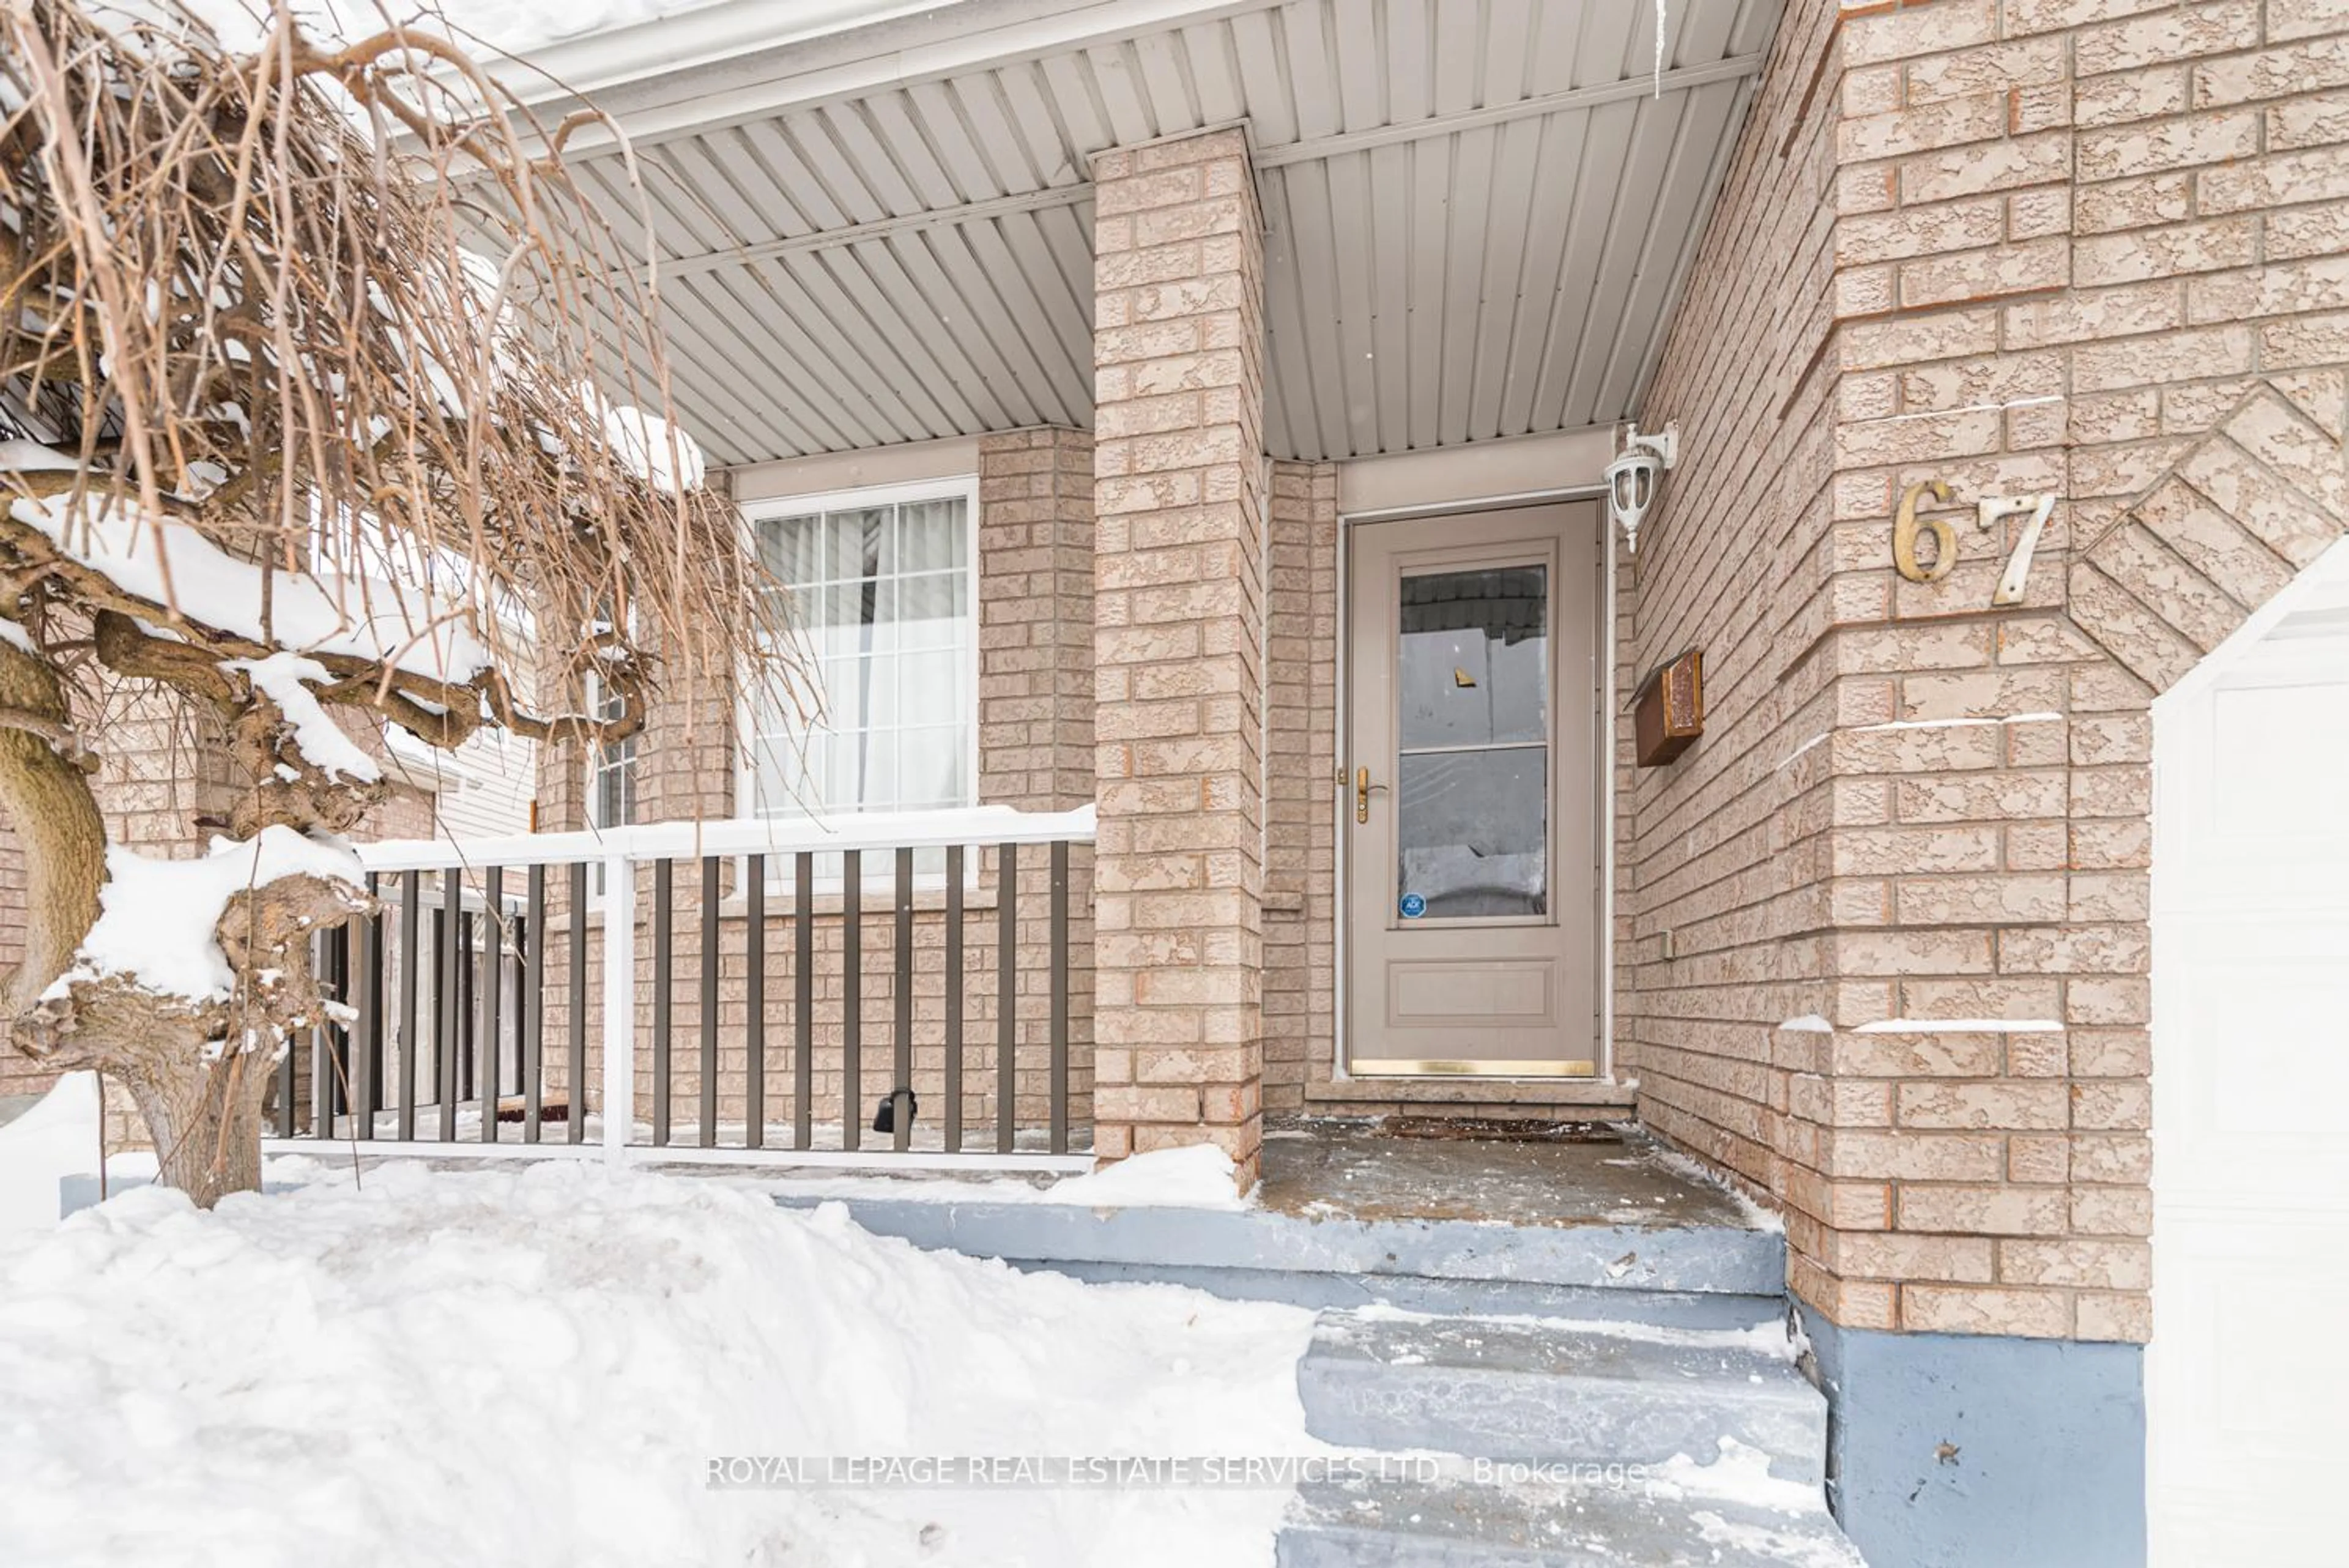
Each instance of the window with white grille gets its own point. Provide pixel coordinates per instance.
(882, 591)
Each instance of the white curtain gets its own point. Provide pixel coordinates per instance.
(881, 604)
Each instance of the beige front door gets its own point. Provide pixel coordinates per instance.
(1471, 818)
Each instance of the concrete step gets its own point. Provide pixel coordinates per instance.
(1697, 1276)
(1537, 1390)
(1463, 1523)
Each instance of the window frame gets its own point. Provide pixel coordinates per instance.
(599, 762)
(962, 487)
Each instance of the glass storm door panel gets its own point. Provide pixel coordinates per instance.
(1470, 797)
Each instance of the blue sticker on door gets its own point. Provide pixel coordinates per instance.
(1414, 905)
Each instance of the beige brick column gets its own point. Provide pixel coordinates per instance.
(1179, 474)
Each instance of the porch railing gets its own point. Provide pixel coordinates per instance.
(913, 989)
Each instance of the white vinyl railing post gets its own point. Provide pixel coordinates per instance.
(619, 1006)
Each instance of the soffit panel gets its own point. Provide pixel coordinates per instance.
(1477, 219)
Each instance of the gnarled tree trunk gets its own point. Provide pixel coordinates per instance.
(45, 789)
(198, 1068)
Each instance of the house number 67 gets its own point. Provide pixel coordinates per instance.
(1906, 526)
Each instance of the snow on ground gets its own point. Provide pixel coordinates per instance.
(1198, 1177)
(40, 1146)
(536, 1366)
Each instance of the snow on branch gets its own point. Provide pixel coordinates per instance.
(158, 918)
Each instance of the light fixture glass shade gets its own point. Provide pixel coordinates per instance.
(1630, 490)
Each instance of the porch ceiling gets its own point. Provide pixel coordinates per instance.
(1478, 214)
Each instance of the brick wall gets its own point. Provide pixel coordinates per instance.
(1706, 844)
(1300, 875)
(1036, 620)
(2097, 249)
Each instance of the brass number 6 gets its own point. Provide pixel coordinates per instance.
(1904, 535)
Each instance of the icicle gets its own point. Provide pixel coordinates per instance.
(1660, 48)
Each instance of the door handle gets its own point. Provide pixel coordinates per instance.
(1363, 788)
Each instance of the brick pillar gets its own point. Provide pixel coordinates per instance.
(1178, 479)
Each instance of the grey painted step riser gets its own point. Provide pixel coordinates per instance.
(1532, 1415)
(1447, 1298)
(1692, 1261)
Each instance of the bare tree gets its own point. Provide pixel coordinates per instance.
(306, 350)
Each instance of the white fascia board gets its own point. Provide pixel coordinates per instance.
(1476, 473)
(683, 39)
(725, 62)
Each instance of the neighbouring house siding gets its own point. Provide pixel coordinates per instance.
(2092, 249)
(1035, 743)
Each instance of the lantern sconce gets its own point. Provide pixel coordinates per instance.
(1633, 478)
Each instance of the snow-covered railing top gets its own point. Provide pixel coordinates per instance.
(978, 824)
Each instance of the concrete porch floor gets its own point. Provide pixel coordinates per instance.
(1508, 1173)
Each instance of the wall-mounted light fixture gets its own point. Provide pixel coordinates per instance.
(1634, 479)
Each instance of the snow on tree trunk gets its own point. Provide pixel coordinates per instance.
(193, 980)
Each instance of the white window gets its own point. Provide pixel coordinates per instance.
(611, 764)
(882, 588)
(611, 772)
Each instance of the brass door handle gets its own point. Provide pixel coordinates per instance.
(1362, 788)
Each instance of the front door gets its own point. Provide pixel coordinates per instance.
(1471, 806)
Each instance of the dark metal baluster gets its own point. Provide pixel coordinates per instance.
(1007, 996)
(469, 1000)
(367, 1079)
(901, 1126)
(803, 999)
(954, 1000)
(285, 1119)
(709, 1001)
(322, 1039)
(852, 999)
(574, 1101)
(1060, 982)
(452, 903)
(529, 1027)
(664, 960)
(754, 1032)
(411, 919)
(327, 1093)
(493, 997)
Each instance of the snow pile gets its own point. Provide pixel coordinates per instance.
(57, 1137)
(648, 446)
(155, 918)
(283, 679)
(1199, 1177)
(536, 1367)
